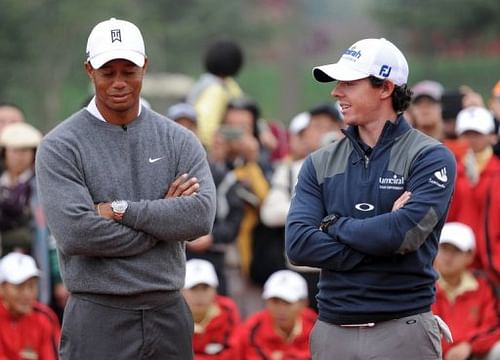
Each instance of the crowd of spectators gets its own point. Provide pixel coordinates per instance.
(247, 300)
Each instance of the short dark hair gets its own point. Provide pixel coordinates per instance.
(326, 108)
(247, 104)
(223, 58)
(401, 96)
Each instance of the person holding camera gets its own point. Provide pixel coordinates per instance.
(237, 149)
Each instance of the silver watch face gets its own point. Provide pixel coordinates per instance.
(119, 206)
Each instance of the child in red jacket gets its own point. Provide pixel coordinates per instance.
(464, 301)
(215, 316)
(28, 329)
(281, 331)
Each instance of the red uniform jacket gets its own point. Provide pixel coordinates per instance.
(471, 317)
(487, 225)
(461, 208)
(217, 342)
(258, 339)
(33, 336)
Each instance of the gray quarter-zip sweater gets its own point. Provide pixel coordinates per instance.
(85, 161)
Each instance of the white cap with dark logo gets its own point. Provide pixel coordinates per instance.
(285, 285)
(115, 39)
(16, 268)
(368, 57)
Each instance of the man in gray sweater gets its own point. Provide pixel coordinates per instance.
(122, 188)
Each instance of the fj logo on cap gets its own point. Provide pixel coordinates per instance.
(385, 70)
(116, 35)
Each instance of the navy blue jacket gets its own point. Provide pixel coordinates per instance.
(376, 263)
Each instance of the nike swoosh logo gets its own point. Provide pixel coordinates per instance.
(155, 159)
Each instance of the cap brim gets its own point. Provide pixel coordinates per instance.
(210, 282)
(418, 96)
(16, 280)
(472, 127)
(456, 244)
(337, 72)
(133, 56)
(280, 295)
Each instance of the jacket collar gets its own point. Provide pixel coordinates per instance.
(391, 131)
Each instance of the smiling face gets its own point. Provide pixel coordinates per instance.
(117, 86)
(360, 101)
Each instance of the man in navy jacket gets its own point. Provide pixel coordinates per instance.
(368, 210)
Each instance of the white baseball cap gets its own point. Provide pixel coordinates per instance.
(199, 271)
(20, 135)
(475, 118)
(286, 285)
(459, 235)
(16, 268)
(367, 57)
(115, 39)
(299, 123)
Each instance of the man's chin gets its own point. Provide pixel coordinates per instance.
(121, 106)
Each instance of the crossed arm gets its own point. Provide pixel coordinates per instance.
(182, 186)
(81, 230)
(345, 245)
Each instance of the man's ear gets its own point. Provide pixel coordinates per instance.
(89, 70)
(387, 89)
(145, 66)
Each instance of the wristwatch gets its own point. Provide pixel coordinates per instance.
(328, 221)
(119, 207)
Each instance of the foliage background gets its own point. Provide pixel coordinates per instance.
(42, 45)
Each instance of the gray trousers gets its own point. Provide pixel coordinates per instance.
(95, 331)
(414, 337)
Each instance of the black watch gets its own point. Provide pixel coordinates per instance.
(328, 221)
